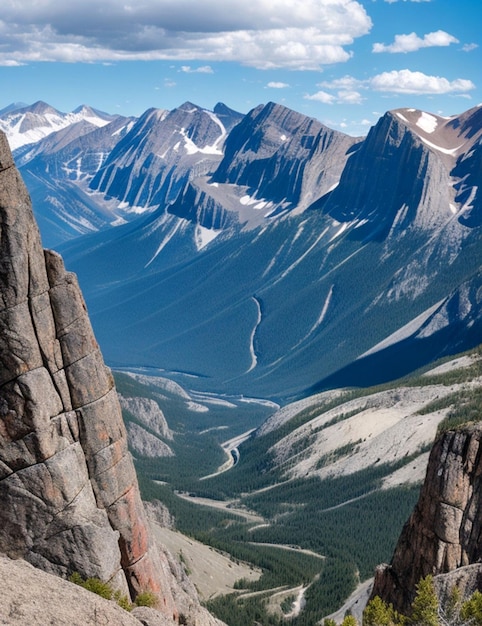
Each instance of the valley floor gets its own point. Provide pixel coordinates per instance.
(212, 572)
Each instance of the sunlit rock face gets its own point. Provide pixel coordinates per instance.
(443, 532)
(69, 492)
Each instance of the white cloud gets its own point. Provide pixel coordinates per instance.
(264, 34)
(321, 96)
(406, 81)
(412, 42)
(349, 97)
(345, 83)
(468, 47)
(204, 69)
(277, 85)
(341, 97)
(347, 89)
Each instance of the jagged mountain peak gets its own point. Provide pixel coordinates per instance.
(86, 111)
(283, 157)
(229, 117)
(221, 109)
(448, 136)
(14, 106)
(30, 124)
(85, 108)
(189, 107)
(40, 108)
(286, 118)
(402, 175)
(152, 115)
(152, 164)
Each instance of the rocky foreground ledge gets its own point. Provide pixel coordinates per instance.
(68, 487)
(33, 597)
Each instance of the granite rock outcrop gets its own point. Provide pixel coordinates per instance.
(69, 492)
(149, 413)
(443, 533)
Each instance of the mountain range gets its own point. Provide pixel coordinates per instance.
(263, 254)
(267, 255)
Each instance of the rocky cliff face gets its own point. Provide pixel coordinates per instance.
(443, 532)
(155, 160)
(283, 156)
(69, 493)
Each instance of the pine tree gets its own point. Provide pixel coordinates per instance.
(453, 606)
(472, 609)
(349, 620)
(425, 605)
(379, 613)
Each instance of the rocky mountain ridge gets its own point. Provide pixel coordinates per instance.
(93, 173)
(71, 500)
(227, 214)
(380, 273)
(25, 125)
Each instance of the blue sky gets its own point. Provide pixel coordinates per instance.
(344, 62)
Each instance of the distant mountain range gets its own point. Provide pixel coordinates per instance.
(263, 254)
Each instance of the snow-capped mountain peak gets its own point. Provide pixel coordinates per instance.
(30, 124)
(449, 136)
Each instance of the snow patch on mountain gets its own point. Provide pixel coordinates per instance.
(254, 203)
(123, 129)
(203, 236)
(136, 209)
(192, 148)
(341, 230)
(427, 122)
(169, 235)
(468, 203)
(217, 146)
(449, 151)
